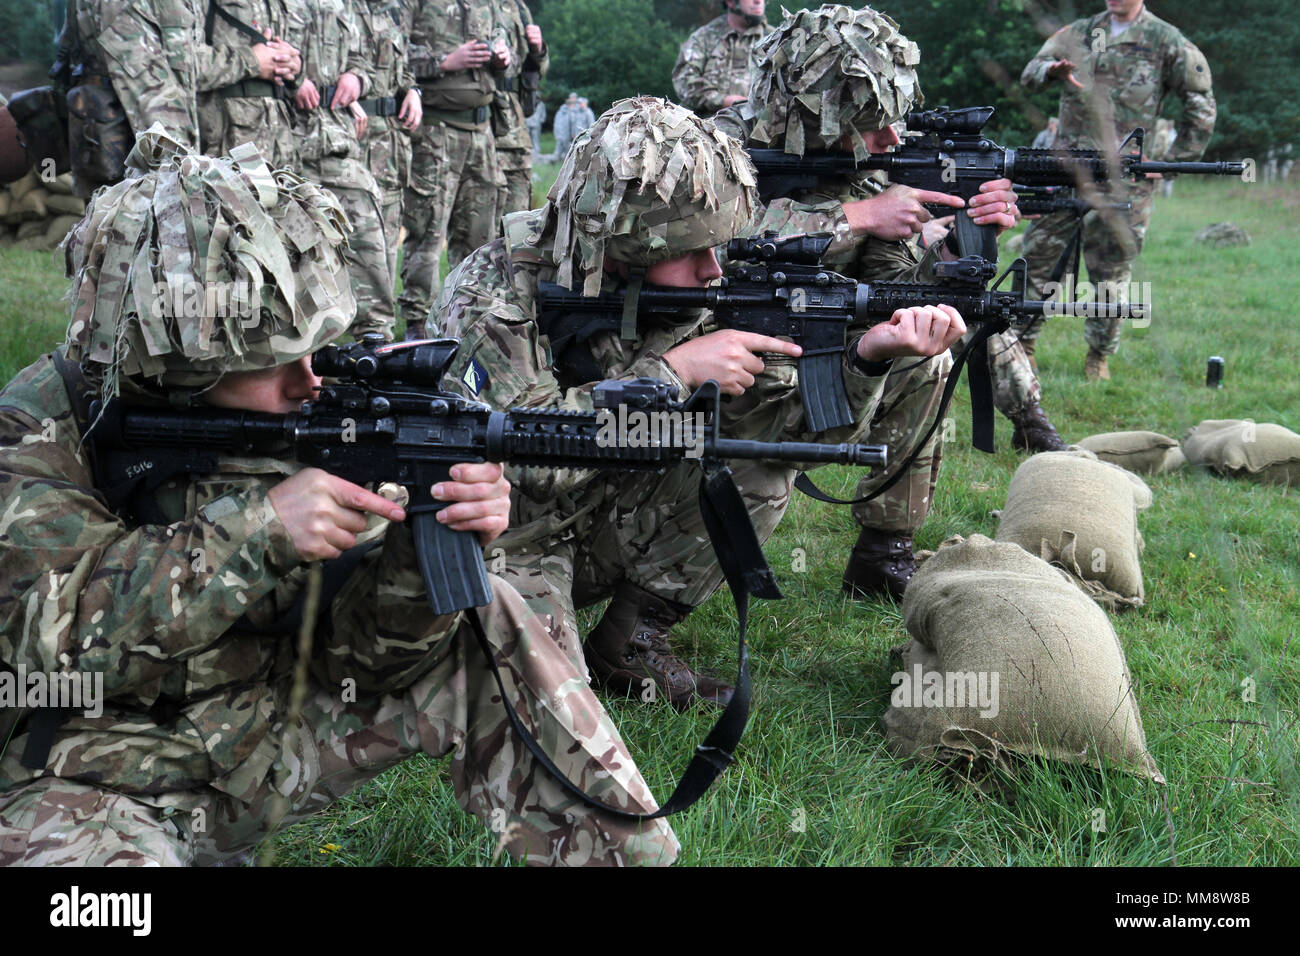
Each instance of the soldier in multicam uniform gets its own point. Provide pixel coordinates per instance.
(154, 54)
(249, 110)
(716, 64)
(1128, 62)
(394, 110)
(509, 117)
(327, 127)
(458, 49)
(648, 191)
(838, 52)
(195, 755)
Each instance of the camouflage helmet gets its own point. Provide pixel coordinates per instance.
(828, 72)
(650, 181)
(192, 267)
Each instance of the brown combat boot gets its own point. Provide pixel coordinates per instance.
(630, 645)
(1094, 366)
(1034, 431)
(880, 563)
(1028, 346)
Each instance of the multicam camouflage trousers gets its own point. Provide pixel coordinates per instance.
(454, 707)
(517, 193)
(1112, 241)
(367, 251)
(647, 530)
(452, 200)
(1015, 386)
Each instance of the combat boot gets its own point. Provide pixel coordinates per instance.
(1028, 346)
(1094, 366)
(880, 563)
(1034, 431)
(630, 645)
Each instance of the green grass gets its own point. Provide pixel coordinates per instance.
(821, 663)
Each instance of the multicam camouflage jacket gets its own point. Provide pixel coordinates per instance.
(509, 122)
(385, 28)
(154, 53)
(254, 111)
(1126, 78)
(179, 618)
(715, 62)
(489, 302)
(330, 43)
(439, 27)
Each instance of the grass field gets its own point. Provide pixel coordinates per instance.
(1222, 572)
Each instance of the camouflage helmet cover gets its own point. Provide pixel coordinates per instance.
(192, 267)
(828, 72)
(650, 181)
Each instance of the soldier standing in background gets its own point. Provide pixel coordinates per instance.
(393, 109)
(1128, 63)
(536, 120)
(140, 63)
(1046, 137)
(512, 104)
(250, 110)
(566, 126)
(458, 48)
(335, 75)
(715, 65)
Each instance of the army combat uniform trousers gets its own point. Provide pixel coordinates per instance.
(367, 250)
(1112, 241)
(451, 201)
(516, 194)
(452, 707)
(647, 530)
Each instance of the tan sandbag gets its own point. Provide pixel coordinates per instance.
(30, 229)
(57, 228)
(1143, 453)
(60, 204)
(1080, 514)
(23, 186)
(980, 608)
(63, 185)
(1240, 448)
(30, 206)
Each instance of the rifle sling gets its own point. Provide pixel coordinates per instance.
(981, 405)
(741, 559)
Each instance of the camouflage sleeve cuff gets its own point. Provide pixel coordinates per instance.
(1034, 76)
(260, 523)
(654, 366)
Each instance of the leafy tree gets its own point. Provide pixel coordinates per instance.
(26, 31)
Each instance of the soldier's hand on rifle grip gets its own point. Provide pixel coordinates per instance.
(995, 205)
(897, 213)
(729, 357)
(324, 513)
(482, 497)
(923, 331)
